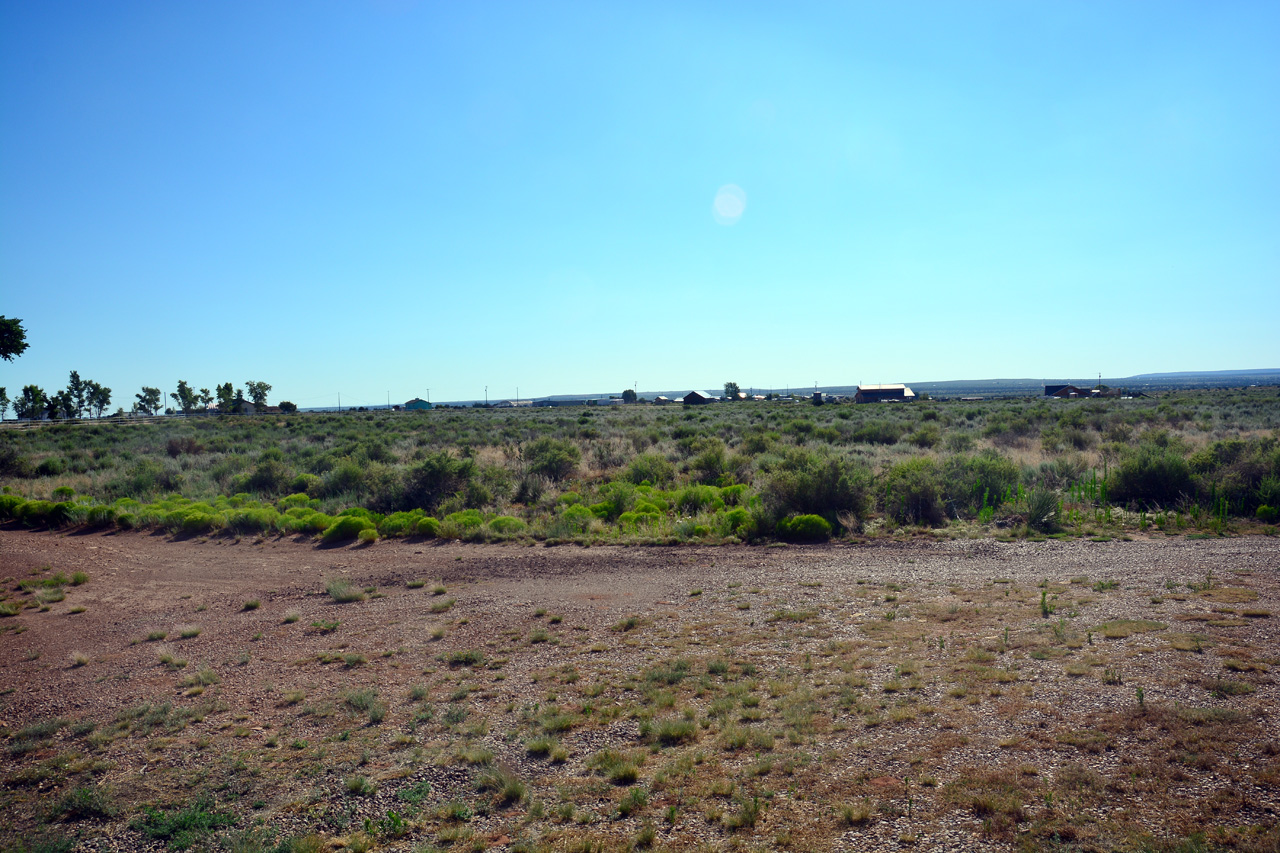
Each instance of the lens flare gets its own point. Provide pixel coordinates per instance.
(729, 204)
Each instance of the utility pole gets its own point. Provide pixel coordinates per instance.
(486, 396)
(428, 395)
(339, 401)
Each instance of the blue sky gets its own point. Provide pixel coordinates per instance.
(387, 197)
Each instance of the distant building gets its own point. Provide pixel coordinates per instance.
(418, 405)
(884, 394)
(1063, 392)
(698, 398)
(513, 404)
(661, 400)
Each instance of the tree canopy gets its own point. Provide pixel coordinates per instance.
(13, 338)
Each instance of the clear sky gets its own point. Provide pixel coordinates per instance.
(388, 197)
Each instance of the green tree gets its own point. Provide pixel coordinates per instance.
(186, 397)
(226, 396)
(98, 398)
(60, 405)
(257, 392)
(148, 400)
(205, 398)
(13, 338)
(31, 404)
(731, 390)
(76, 392)
(287, 407)
(628, 396)
(4, 402)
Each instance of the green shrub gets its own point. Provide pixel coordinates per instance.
(309, 485)
(553, 458)
(9, 505)
(346, 478)
(878, 432)
(461, 524)
(195, 523)
(650, 468)
(695, 499)
(428, 527)
(346, 527)
(184, 827)
(911, 492)
(1151, 475)
(804, 528)
(270, 477)
(741, 523)
(971, 481)
(255, 519)
(507, 525)
(46, 513)
(575, 520)
(100, 516)
(926, 436)
(400, 523)
(813, 483)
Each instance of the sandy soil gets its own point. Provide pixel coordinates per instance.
(702, 604)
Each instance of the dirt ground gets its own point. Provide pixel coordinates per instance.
(951, 695)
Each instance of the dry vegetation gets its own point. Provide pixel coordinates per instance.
(966, 694)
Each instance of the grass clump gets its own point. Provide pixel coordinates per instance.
(343, 591)
(506, 786)
(183, 827)
(1119, 629)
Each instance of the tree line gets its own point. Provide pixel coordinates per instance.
(84, 397)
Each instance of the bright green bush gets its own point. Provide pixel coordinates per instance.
(9, 505)
(253, 519)
(695, 499)
(102, 515)
(574, 521)
(739, 522)
(346, 527)
(34, 513)
(400, 523)
(196, 522)
(804, 528)
(428, 528)
(507, 525)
